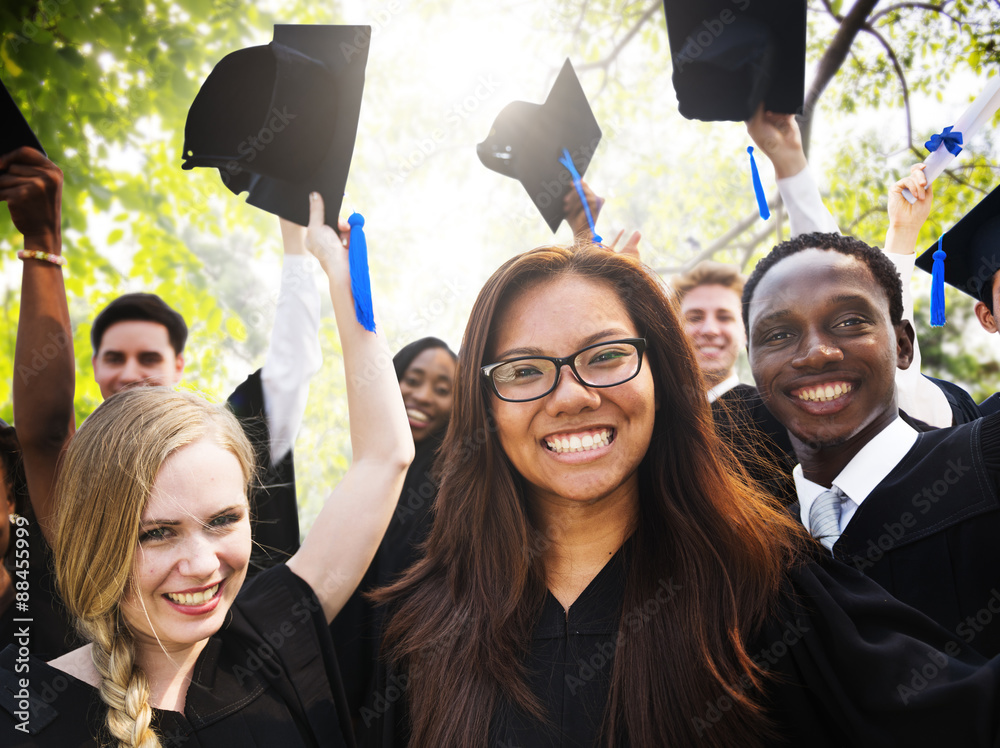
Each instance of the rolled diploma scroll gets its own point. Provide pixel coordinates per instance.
(968, 124)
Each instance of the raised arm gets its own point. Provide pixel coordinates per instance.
(906, 220)
(577, 220)
(778, 137)
(293, 355)
(44, 371)
(575, 215)
(345, 535)
(919, 396)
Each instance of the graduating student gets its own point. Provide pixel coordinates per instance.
(710, 294)
(918, 512)
(139, 340)
(600, 572)
(754, 70)
(153, 545)
(425, 370)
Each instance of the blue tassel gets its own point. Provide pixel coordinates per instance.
(567, 161)
(361, 285)
(758, 188)
(937, 286)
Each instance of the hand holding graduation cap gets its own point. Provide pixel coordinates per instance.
(325, 243)
(575, 215)
(31, 185)
(778, 136)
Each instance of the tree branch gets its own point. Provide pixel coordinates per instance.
(831, 61)
(761, 236)
(605, 62)
(829, 9)
(723, 241)
(902, 80)
(953, 174)
(579, 19)
(863, 216)
(901, 6)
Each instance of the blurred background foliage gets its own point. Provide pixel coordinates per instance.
(106, 86)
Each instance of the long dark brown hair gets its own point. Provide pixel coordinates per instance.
(462, 617)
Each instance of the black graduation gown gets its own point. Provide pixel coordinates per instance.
(357, 629)
(273, 506)
(930, 532)
(963, 407)
(990, 405)
(757, 438)
(851, 666)
(50, 629)
(268, 678)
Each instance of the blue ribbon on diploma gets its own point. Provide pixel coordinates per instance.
(567, 161)
(952, 141)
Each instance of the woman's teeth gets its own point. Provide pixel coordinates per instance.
(580, 443)
(824, 393)
(416, 415)
(193, 598)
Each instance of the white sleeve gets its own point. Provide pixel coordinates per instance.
(294, 354)
(915, 393)
(806, 212)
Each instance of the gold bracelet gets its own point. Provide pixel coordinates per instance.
(37, 254)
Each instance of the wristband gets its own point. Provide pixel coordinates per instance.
(37, 254)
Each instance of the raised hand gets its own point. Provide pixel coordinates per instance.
(573, 210)
(31, 185)
(325, 243)
(905, 220)
(631, 247)
(901, 213)
(778, 136)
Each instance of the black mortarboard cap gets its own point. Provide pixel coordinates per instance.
(527, 141)
(279, 121)
(972, 247)
(14, 130)
(729, 55)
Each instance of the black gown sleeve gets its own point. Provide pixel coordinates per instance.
(855, 667)
(277, 618)
(272, 496)
(963, 407)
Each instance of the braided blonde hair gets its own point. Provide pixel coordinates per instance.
(101, 492)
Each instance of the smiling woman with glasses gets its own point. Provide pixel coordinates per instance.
(602, 573)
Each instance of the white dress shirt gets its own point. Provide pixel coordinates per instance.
(862, 474)
(806, 212)
(293, 355)
(722, 388)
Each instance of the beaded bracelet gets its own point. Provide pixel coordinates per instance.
(37, 254)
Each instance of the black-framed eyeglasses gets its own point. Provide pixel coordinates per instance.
(606, 364)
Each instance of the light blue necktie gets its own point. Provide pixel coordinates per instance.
(824, 516)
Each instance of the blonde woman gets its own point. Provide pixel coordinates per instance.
(152, 548)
